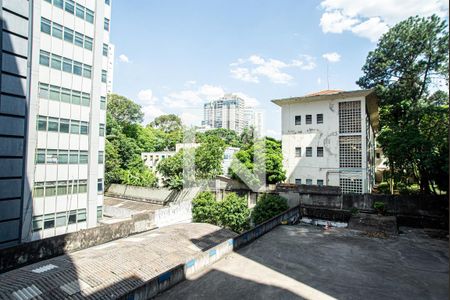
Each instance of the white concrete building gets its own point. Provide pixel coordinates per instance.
(64, 86)
(152, 159)
(226, 112)
(254, 119)
(328, 138)
(110, 69)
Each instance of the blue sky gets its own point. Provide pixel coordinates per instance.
(172, 56)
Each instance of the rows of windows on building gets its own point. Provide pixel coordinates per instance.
(64, 157)
(308, 119)
(63, 187)
(62, 219)
(308, 152)
(319, 182)
(62, 125)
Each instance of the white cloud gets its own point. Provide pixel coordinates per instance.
(190, 119)
(371, 18)
(249, 101)
(273, 133)
(124, 58)
(190, 83)
(319, 81)
(255, 66)
(151, 112)
(146, 96)
(150, 106)
(332, 57)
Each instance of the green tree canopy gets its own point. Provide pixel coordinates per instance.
(124, 110)
(167, 123)
(408, 61)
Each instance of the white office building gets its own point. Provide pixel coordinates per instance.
(60, 150)
(226, 112)
(328, 138)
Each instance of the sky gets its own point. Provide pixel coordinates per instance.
(172, 56)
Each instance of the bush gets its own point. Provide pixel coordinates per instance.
(384, 188)
(268, 206)
(380, 207)
(234, 213)
(205, 208)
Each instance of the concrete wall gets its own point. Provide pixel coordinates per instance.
(31, 252)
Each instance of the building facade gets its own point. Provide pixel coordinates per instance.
(328, 138)
(226, 112)
(63, 124)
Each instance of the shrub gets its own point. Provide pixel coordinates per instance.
(234, 213)
(205, 208)
(354, 211)
(268, 206)
(384, 188)
(380, 207)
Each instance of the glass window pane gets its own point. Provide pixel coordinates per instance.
(56, 62)
(54, 93)
(58, 3)
(80, 11)
(52, 124)
(82, 187)
(37, 223)
(49, 221)
(63, 157)
(86, 71)
(69, 6)
(89, 16)
(87, 43)
(106, 24)
(65, 95)
(68, 35)
(84, 128)
(83, 157)
(50, 189)
(105, 49)
(40, 156)
(104, 75)
(38, 189)
(99, 212)
(77, 68)
(76, 97)
(79, 39)
(75, 127)
(57, 30)
(81, 215)
(85, 99)
(102, 129)
(43, 90)
(100, 157)
(44, 58)
(61, 219)
(102, 103)
(72, 217)
(67, 65)
(100, 185)
(73, 159)
(42, 123)
(52, 156)
(46, 26)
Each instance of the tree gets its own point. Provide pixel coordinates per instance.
(414, 124)
(124, 110)
(234, 213)
(269, 147)
(205, 208)
(208, 158)
(167, 123)
(230, 137)
(268, 206)
(171, 170)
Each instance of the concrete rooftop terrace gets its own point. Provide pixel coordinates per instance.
(306, 262)
(112, 269)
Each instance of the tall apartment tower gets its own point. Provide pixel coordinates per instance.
(226, 112)
(54, 100)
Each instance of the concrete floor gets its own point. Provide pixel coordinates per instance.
(295, 262)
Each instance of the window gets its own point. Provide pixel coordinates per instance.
(38, 189)
(56, 62)
(82, 186)
(107, 2)
(79, 39)
(350, 152)
(88, 43)
(308, 119)
(77, 68)
(298, 151)
(80, 11)
(87, 71)
(85, 99)
(105, 49)
(84, 128)
(42, 123)
(99, 212)
(308, 151)
(61, 219)
(350, 185)
(319, 118)
(43, 90)
(102, 129)
(58, 3)
(100, 185)
(67, 65)
(44, 58)
(319, 151)
(319, 182)
(75, 127)
(50, 189)
(350, 117)
(70, 6)
(64, 125)
(40, 156)
(37, 223)
(83, 157)
(53, 124)
(55, 93)
(89, 16)
(81, 215)
(308, 181)
(65, 96)
(52, 156)
(104, 75)
(106, 24)
(298, 181)
(57, 30)
(49, 221)
(62, 188)
(102, 103)
(46, 26)
(298, 120)
(68, 35)
(76, 97)
(100, 157)
(63, 157)
(73, 157)
(72, 217)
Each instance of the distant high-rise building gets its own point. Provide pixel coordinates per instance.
(226, 112)
(254, 119)
(54, 80)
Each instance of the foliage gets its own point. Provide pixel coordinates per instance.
(171, 169)
(384, 188)
(354, 211)
(229, 137)
(408, 59)
(205, 208)
(268, 206)
(234, 213)
(167, 123)
(208, 158)
(380, 207)
(124, 110)
(269, 147)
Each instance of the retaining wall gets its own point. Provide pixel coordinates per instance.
(202, 261)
